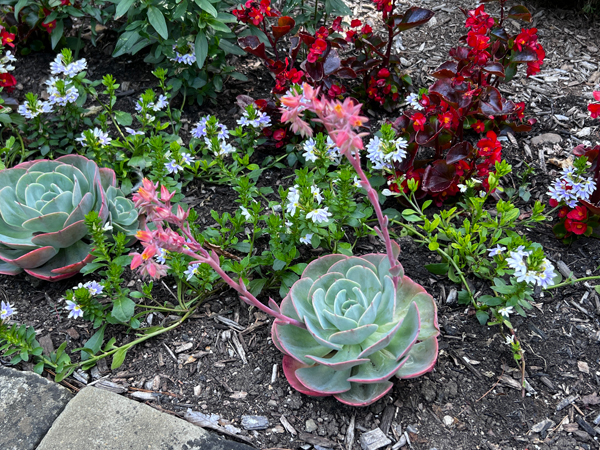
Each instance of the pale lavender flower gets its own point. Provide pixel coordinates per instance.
(309, 150)
(306, 239)
(161, 255)
(75, 310)
(94, 287)
(496, 250)
(186, 158)
(133, 132)
(191, 271)
(173, 167)
(161, 103)
(189, 58)
(316, 192)
(6, 310)
(200, 129)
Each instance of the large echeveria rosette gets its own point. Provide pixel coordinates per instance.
(43, 204)
(361, 331)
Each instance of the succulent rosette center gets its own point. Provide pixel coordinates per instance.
(360, 329)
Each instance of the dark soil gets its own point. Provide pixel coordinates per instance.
(471, 400)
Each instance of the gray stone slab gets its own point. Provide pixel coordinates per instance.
(97, 419)
(29, 404)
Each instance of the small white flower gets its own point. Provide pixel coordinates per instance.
(462, 187)
(316, 192)
(306, 239)
(319, 215)
(388, 193)
(506, 311)
(246, 214)
(510, 340)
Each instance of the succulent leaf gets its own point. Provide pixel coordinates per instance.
(361, 330)
(42, 210)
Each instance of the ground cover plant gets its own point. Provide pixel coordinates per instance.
(322, 244)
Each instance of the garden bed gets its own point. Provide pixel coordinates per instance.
(472, 399)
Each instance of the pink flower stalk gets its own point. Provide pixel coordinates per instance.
(340, 120)
(159, 211)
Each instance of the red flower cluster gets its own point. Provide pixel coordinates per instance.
(575, 221)
(380, 87)
(255, 12)
(365, 31)
(284, 78)
(316, 50)
(385, 6)
(7, 81)
(7, 38)
(594, 108)
(528, 39)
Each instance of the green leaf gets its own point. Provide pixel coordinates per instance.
(123, 309)
(205, 5)
(482, 316)
(201, 48)
(490, 300)
(93, 344)
(122, 7)
(91, 267)
(438, 268)
(218, 26)
(279, 264)
(57, 33)
(20, 5)
(118, 358)
(463, 297)
(123, 118)
(39, 368)
(157, 20)
(232, 49)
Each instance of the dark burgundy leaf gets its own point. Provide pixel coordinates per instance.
(446, 70)
(407, 163)
(524, 56)
(519, 12)
(279, 32)
(244, 100)
(439, 176)
(339, 43)
(594, 209)
(347, 73)
(277, 66)
(295, 44)
(332, 63)
(459, 152)
(307, 38)
(313, 70)
(492, 103)
(413, 17)
(449, 92)
(426, 137)
(459, 53)
(499, 33)
(286, 21)
(252, 45)
(494, 68)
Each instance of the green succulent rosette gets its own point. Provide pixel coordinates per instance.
(361, 330)
(43, 204)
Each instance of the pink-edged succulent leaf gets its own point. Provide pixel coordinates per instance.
(364, 394)
(27, 259)
(63, 238)
(420, 360)
(67, 263)
(290, 365)
(324, 379)
(9, 269)
(342, 360)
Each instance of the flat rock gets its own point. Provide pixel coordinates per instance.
(29, 404)
(97, 419)
(546, 138)
(374, 439)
